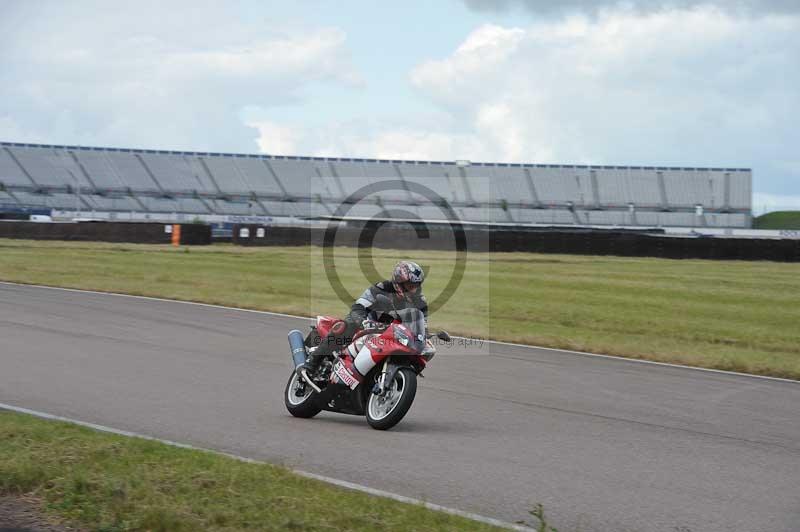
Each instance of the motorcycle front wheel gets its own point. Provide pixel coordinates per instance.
(386, 410)
(299, 405)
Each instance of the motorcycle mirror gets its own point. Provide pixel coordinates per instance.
(443, 336)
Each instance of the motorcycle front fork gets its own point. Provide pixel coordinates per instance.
(380, 385)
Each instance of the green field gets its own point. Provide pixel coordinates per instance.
(778, 220)
(730, 315)
(112, 483)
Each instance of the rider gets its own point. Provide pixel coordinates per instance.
(404, 290)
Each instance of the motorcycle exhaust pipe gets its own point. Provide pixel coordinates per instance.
(298, 346)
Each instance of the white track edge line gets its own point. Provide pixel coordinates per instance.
(341, 483)
(499, 342)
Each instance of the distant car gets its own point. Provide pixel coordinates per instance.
(40, 218)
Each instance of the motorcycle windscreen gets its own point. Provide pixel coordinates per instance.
(414, 320)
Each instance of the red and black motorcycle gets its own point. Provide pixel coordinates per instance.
(374, 375)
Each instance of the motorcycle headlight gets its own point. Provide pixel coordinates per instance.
(401, 336)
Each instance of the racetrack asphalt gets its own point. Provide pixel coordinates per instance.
(604, 444)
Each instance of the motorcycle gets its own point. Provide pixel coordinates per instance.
(375, 375)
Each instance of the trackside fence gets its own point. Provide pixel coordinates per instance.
(139, 233)
(620, 243)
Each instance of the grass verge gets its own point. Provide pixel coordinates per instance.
(778, 220)
(730, 315)
(111, 483)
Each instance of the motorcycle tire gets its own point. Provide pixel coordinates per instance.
(385, 414)
(305, 406)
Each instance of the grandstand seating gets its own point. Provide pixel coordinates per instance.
(555, 186)
(376, 171)
(112, 203)
(224, 176)
(442, 179)
(639, 188)
(31, 199)
(10, 172)
(511, 183)
(97, 165)
(683, 187)
(191, 183)
(256, 175)
(351, 176)
(132, 172)
(295, 176)
(172, 172)
(477, 184)
(49, 168)
(740, 190)
(6, 199)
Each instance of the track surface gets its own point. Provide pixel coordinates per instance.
(604, 444)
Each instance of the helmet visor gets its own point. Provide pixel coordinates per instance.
(409, 287)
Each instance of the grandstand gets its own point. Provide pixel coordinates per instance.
(110, 182)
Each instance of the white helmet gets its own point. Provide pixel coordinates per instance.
(407, 278)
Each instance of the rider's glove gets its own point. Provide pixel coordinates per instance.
(367, 324)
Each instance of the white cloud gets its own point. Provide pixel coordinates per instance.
(11, 129)
(679, 87)
(623, 88)
(690, 87)
(547, 6)
(152, 77)
(276, 139)
(403, 143)
(359, 139)
(483, 55)
(265, 59)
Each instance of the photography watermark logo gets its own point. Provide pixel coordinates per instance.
(395, 213)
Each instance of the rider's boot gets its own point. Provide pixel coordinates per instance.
(315, 357)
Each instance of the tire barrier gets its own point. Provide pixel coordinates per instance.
(135, 233)
(540, 240)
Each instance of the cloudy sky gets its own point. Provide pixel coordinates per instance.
(679, 83)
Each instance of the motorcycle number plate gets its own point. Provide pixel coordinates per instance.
(345, 375)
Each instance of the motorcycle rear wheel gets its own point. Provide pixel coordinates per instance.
(386, 411)
(303, 406)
